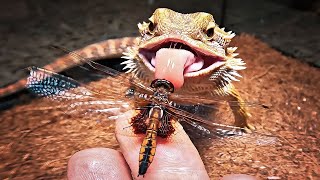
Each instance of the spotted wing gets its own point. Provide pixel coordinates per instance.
(73, 97)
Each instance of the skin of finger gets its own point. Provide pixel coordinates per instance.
(175, 158)
(98, 163)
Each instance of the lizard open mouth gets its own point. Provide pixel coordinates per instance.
(175, 59)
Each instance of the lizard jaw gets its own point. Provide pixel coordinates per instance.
(209, 60)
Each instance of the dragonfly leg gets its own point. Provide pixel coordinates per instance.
(239, 110)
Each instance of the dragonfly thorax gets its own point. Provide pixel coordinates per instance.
(161, 90)
(156, 112)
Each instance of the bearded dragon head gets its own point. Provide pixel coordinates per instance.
(184, 47)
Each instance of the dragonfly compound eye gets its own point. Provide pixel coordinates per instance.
(130, 92)
(163, 83)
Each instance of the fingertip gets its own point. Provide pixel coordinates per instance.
(176, 157)
(176, 174)
(98, 163)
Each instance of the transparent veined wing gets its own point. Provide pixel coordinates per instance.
(74, 97)
(201, 122)
(211, 99)
(97, 70)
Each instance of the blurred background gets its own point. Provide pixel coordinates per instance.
(28, 27)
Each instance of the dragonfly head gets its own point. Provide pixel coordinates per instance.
(162, 83)
(130, 92)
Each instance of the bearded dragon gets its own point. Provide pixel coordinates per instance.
(189, 50)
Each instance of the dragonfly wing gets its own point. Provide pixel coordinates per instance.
(55, 86)
(200, 125)
(212, 100)
(102, 71)
(73, 97)
(194, 117)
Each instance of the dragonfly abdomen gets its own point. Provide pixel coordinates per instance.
(149, 143)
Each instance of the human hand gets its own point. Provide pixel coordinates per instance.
(176, 158)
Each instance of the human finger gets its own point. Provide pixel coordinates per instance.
(98, 163)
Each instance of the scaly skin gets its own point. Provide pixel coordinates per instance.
(196, 31)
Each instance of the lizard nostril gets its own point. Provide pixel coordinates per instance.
(210, 32)
(151, 27)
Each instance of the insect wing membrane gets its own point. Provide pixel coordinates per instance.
(199, 121)
(212, 101)
(98, 70)
(73, 97)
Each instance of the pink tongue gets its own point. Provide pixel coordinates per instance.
(170, 64)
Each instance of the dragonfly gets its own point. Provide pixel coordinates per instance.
(157, 106)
